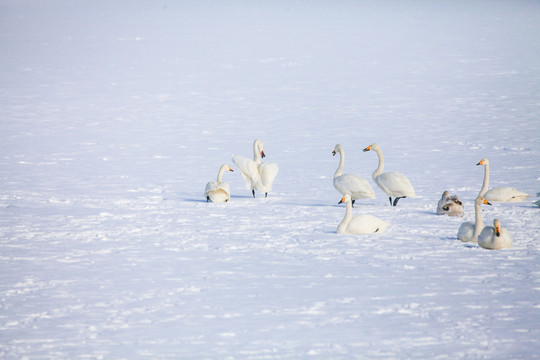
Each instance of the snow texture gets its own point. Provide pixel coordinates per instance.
(114, 115)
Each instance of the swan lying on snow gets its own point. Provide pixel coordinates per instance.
(495, 237)
(500, 193)
(450, 205)
(218, 191)
(392, 183)
(360, 224)
(257, 176)
(469, 231)
(347, 184)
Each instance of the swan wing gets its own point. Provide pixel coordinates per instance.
(355, 186)
(267, 174)
(217, 191)
(505, 194)
(366, 224)
(395, 184)
(249, 170)
(466, 232)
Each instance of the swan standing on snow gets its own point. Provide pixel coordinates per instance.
(218, 191)
(392, 183)
(469, 231)
(360, 224)
(257, 176)
(500, 193)
(355, 186)
(495, 237)
(450, 205)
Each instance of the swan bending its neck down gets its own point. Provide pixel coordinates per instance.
(347, 184)
(392, 183)
(218, 191)
(500, 193)
(450, 205)
(495, 237)
(257, 175)
(360, 224)
(469, 231)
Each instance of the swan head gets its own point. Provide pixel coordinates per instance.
(481, 200)
(371, 147)
(258, 144)
(483, 162)
(445, 194)
(345, 199)
(497, 226)
(337, 149)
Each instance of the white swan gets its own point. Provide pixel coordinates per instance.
(495, 237)
(257, 176)
(360, 224)
(500, 193)
(218, 191)
(450, 205)
(469, 231)
(347, 184)
(392, 183)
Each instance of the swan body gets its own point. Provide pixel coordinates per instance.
(257, 175)
(469, 231)
(495, 237)
(500, 193)
(359, 224)
(218, 191)
(347, 184)
(392, 183)
(450, 205)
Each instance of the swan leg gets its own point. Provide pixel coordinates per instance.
(397, 199)
(253, 192)
(265, 195)
(390, 198)
(207, 198)
(352, 202)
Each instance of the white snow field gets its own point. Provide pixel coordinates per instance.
(114, 116)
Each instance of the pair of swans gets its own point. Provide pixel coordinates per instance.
(218, 191)
(489, 237)
(257, 175)
(500, 193)
(359, 224)
(450, 205)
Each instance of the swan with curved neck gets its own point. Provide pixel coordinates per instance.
(359, 224)
(469, 231)
(218, 191)
(347, 184)
(495, 237)
(256, 174)
(500, 193)
(450, 205)
(392, 183)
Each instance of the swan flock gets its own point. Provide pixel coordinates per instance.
(260, 176)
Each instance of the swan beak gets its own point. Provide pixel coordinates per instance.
(231, 169)
(262, 153)
(367, 149)
(342, 200)
(334, 153)
(486, 202)
(481, 162)
(498, 230)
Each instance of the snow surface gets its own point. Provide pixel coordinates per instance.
(114, 116)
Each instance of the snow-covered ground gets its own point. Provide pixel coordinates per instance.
(115, 115)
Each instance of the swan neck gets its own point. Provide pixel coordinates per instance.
(485, 184)
(478, 223)
(378, 171)
(256, 154)
(220, 173)
(347, 219)
(339, 169)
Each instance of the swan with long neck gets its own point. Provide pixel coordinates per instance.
(256, 174)
(392, 183)
(449, 205)
(500, 193)
(495, 237)
(218, 191)
(469, 231)
(347, 184)
(359, 224)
